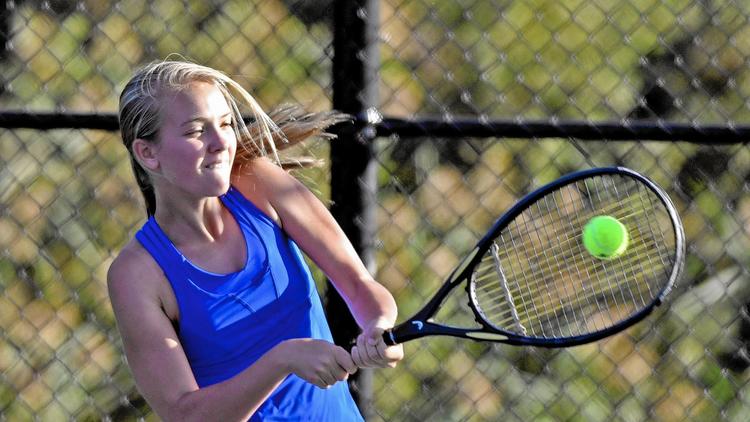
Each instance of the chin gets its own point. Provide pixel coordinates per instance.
(217, 189)
(221, 190)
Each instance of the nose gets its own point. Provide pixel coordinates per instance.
(220, 138)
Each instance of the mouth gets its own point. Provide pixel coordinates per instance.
(217, 165)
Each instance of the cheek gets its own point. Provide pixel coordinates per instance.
(179, 157)
(232, 145)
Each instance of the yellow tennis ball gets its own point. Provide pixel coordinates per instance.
(605, 237)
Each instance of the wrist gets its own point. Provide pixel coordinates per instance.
(382, 323)
(280, 356)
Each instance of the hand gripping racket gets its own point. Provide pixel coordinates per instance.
(531, 281)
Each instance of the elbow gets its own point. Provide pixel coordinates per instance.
(183, 409)
(199, 406)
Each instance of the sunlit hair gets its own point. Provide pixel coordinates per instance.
(140, 115)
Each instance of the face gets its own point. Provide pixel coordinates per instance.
(197, 142)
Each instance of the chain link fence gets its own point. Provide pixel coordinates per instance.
(69, 201)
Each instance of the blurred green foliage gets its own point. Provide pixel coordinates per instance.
(69, 201)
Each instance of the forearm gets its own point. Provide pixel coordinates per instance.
(375, 311)
(372, 304)
(312, 226)
(332, 251)
(237, 398)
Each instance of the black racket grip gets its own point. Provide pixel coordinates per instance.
(388, 338)
(406, 331)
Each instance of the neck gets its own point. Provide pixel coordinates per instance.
(187, 220)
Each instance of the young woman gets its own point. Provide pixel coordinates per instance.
(217, 310)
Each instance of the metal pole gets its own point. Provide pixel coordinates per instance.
(6, 16)
(353, 182)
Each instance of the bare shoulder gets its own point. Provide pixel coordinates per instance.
(132, 261)
(260, 174)
(135, 279)
(262, 182)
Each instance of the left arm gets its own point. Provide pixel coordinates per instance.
(310, 224)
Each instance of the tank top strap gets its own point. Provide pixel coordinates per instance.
(155, 241)
(244, 209)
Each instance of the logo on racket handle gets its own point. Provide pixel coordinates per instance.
(418, 324)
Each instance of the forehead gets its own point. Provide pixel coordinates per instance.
(196, 100)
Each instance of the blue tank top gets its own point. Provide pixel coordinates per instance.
(228, 321)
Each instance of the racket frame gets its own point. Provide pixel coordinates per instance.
(421, 325)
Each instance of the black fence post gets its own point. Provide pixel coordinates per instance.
(6, 17)
(355, 64)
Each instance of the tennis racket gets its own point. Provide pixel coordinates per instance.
(531, 281)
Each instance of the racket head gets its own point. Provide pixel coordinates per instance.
(532, 282)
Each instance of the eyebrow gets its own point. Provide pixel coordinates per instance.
(201, 118)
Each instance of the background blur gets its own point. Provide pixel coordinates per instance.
(68, 200)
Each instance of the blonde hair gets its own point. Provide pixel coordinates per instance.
(140, 116)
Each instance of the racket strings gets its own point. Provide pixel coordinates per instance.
(600, 301)
(541, 281)
(570, 244)
(489, 278)
(616, 299)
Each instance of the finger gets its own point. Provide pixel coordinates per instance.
(327, 379)
(383, 355)
(341, 375)
(382, 349)
(357, 357)
(345, 361)
(394, 354)
(369, 355)
(362, 359)
(371, 352)
(344, 376)
(318, 382)
(379, 348)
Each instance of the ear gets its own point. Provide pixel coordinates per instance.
(145, 153)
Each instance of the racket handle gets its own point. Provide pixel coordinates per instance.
(388, 338)
(408, 330)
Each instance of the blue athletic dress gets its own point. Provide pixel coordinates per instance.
(228, 321)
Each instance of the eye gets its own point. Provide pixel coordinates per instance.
(196, 131)
(228, 123)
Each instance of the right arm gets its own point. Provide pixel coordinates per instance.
(142, 302)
